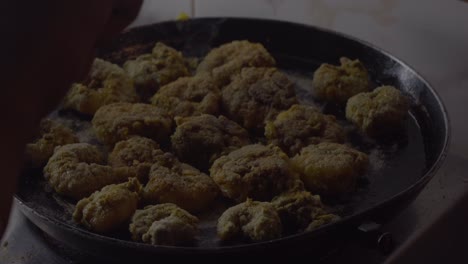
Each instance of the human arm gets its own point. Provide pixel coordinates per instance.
(45, 46)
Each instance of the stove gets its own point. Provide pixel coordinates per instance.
(24, 243)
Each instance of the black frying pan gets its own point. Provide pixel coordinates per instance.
(297, 48)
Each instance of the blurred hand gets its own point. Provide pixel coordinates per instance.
(46, 45)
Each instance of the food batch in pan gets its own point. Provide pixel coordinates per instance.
(172, 141)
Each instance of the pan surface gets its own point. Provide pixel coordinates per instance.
(398, 170)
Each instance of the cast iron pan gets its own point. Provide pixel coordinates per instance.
(399, 171)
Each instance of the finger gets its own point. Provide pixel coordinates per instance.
(123, 13)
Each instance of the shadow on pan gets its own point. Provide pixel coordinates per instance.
(299, 48)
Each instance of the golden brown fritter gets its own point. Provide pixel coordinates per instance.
(77, 170)
(339, 83)
(257, 221)
(253, 171)
(107, 83)
(297, 209)
(378, 113)
(51, 135)
(300, 126)
(330, 168)
(171, 181)
(163, 224)
(151, 71)
(189, 96)
(109, 208)
(257, 95)
(228, 59)
(321, 220)
(138, 153)
(192, 63)
(120, 121)
(202, 139)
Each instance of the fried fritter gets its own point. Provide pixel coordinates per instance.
(109, 208)
(300, 126)
(171, 181)
(321, 220)
(256, 95)
(151, 71)
(163, 224)
(202, 139)
(189, 96)
(51, 135)
(107, 83)
(77, 170)
(297, 209)
(257, 221)
(120, 121)
(228, 59)
(138, 153)
(330, 168)
(192, 63)
(378, 113)
(253, 171)
(338, 83)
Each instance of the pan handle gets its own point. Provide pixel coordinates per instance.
(373, 236)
